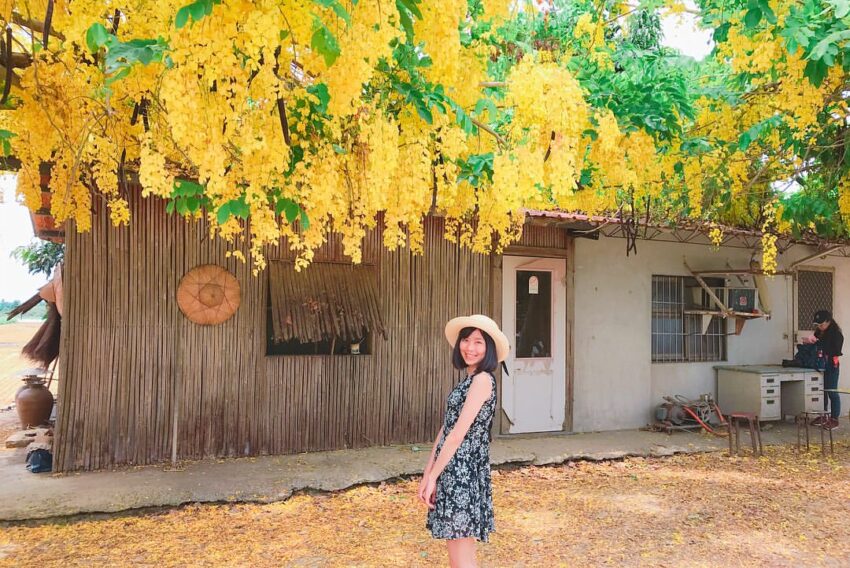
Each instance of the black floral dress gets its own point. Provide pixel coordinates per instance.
(464, 503)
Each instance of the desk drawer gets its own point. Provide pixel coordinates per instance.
(770, 408)
(813, 389)
(814, 402)
(770, 391)
(769, 380)
(813, 378)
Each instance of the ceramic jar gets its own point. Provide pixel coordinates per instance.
(33, 402)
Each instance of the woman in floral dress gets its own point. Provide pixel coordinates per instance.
(456, 483)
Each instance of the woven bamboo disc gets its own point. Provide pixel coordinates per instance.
(208, 295)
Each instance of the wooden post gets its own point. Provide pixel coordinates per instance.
(175, 394)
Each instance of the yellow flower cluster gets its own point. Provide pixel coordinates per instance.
(844, 200)
(590, 33)
(716, 236)
(248, 106)
(768, 240)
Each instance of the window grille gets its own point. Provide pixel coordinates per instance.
(677, 336)
(814, 292)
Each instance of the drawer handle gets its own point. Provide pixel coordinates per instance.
(815, 399)
(770, 380)
(815, 388)
(770, 391)
(814, 379)
(770, 401)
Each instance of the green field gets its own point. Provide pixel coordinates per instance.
(13, 336)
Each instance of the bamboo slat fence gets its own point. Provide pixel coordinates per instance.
(141, 384)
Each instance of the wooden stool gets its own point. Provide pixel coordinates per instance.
(755, 432)
(804, 419)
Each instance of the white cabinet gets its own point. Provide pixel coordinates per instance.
(770, 391)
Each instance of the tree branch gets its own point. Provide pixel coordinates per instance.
(284, 123)
(35, 25)
(7, 87)
(489, 131)
(48, 18)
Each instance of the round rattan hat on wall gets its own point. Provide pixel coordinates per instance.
(208, 295)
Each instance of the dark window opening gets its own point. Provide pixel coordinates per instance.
(326, 309)
(533, 314)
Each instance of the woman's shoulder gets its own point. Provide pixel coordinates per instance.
(484, 377)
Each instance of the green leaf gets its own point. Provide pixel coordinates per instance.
(324, 42)
(223, 214)
(406, 23)
(96, 37)
(185, 188)
(753, 17)
(769, 15)
(320, 91)
(290, 210)
(423, 111)
(169, 207)
(407, 10)
(816, 71)
(463, 120)
(823, 46)
(841, 7)
(182, 17)
(197, 10)
(337, 8)
(5, 141)
(117, 76)
(192, 203)
(486, 105)
(411, 6)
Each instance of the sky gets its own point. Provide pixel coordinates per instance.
(680, 32)
(16, 228)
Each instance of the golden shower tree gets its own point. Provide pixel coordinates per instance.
(297, 118)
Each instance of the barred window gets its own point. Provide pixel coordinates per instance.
(677, 335)
(814, 292)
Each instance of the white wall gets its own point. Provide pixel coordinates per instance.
(616, 384)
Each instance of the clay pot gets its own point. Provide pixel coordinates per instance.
(33, 402)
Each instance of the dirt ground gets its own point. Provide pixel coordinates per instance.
(699, 510)
(13, 337)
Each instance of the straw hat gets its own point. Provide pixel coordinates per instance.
(486, 325)
(208, 295)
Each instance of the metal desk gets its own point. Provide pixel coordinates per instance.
(770, 391)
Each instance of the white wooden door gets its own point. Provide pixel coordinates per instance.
(534, 318)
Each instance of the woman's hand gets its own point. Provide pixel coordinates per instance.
(429, 494)
(810, 339)
(420, 493)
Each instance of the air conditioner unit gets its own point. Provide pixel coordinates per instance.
(738, 299)
(742, 299)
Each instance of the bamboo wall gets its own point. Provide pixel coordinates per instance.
(543, 236)
(132, 366)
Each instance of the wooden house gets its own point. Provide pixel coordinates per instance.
(598, 335)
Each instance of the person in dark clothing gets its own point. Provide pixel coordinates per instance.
(830, 341)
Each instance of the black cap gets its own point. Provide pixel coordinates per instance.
(822, 316)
